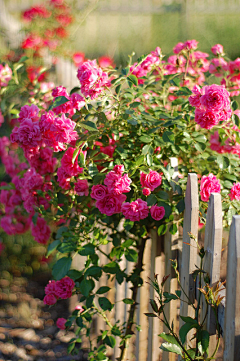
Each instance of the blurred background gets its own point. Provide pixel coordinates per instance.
(119, 27)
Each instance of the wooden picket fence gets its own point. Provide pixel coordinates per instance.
(159, 250)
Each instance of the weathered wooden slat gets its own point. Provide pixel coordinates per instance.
(232, 310)
(189, 249)
(212, 260)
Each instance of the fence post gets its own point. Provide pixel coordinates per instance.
(189, 249)
(232, 310)
(212, 260)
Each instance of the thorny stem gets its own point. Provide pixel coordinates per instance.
(130, 321)
(102, 314)
(218, 330)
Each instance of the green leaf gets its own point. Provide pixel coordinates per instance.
(154, 305)
(145, 139)
(94, 271)
(204, 339)
(74, 274)
(163, 195)
(110, 341)
(34, 218)
(185, 329)
(67, 247)
(169, 347)
(111, 267)
(234, 105)
(22, 59)
(52, 246)
(168, 137)
(169, 338)
(131, 255)
(139, 160)
(128, 301)
(92, 170)
(115, 331)
(87, 250)
(81, 159)
(75, 90)
(59, 101)
(169, 297)
(173, 228)
(86, 286)
(222, 161)
(128, 224)
(151, 200)
(61, 268)
(105, 304)
(149, 314)
(188, 319)
(149, 159)
(133, 79)
(146, 149)
(91, 126)
(75, 153)
(236, 119)
(162, 229)
(181, 206)
(102, 290)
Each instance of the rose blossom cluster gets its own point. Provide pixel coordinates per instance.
(92, 79)
(76, 101)
(5, 75)
(49, 130)
(111, 200)
(212, 105)
(61, 289)
(235, 192)
(209, 184)
(141, 70)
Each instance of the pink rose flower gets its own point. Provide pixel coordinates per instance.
(194, 100)
(111, 204)
(5, 75)
(146, 191)
(209, 184)
(64, 287)
(50, 288)
(49, 299)
(82, 187)
(117, 183)
(235, 192)
(215, 97)
(41, 232)
(217, 49)
(157, 213)
(29, 133)
(99, 192)
(151, 180)
(190, 44)
(178, 48)
(79, 308)
(206, 119)
(29, 112)
(136, 210)
(72, 169)
(218, 66)
(61, 323)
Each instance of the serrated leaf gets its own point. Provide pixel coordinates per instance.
(61, 268)
(105, 304)
(86, 286)
(222, 161)
(87, 250)
(59, 101)
(145, 139)
(52, 246)
(163, 195)
(131, 255)
(110, 341)
(133, 79)
(146, 149)
(102, 290)
(91, 126)
(168, 137)
(162, 229)
(184, 331)
(169, 347)
(128, 301)
(204, 339)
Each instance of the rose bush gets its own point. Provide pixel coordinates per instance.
(97, 169)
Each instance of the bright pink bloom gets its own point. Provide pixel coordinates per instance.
(15, 224)
(106, 61)
(41, 232)
(78, 102)
(110, 204)
(215, 98)
(136, 210)
(194, 100)
(82, 187)
(217, 49)
(119, 169)
(78, 59)
(29, 112)
(50, 288)
(190, 45)
(79, 308)
(61, 323)
(206, 119)
(64, 287)
(178, 48)
(157, 213)
(63, 178)
(5, 75)
(99, 192)
(116, 183)
(92, 79)
(218, 66)
(151, 180)
(209, 184)
(49, 299)
(146, 191)
(215, 143)
(72, 169)
(235, 192)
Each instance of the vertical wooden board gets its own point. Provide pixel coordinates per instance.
(151, 295)
(232, 310)
(189, 248)
(212, 260)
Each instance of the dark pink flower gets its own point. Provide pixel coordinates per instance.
(29, 112)
(151, 180)
(217, 49)
(61, 323)
(136, 210)
(209, 184)
(71, 168)
(235, 192)
(81, 187)
(99, 191)
(41, 232)
(157, 213)
(64, 287)
(215, 98)
(146, 191)
(110, 204)
(49, 299)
